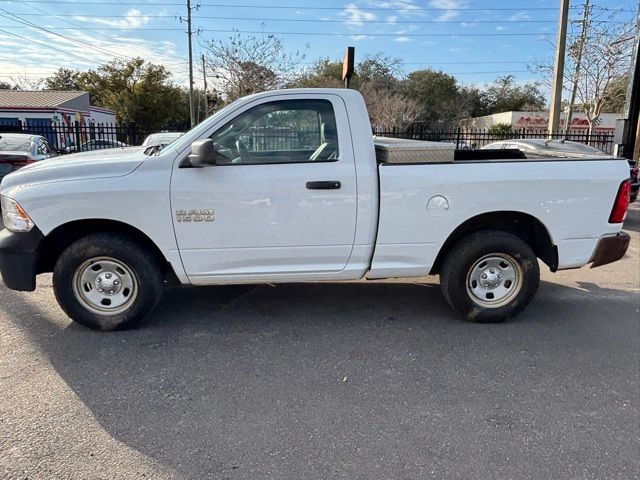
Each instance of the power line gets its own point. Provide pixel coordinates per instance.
(313, 20)
(110, 39)
(33, 25)
(369, 34)
(306, 7)
(372, 34)
(49, 46)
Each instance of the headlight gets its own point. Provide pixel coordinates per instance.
(13, 216)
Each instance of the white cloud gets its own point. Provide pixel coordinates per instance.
(519, 16)
(132, 19)
(450, 8)
(361, 37)
(402, 39)
(403, 8)
(355, 16)
(392, 18)
(18, 57)
(406, 30)
(500, 28)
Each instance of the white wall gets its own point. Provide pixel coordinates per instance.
(102, 116)
(540, 120)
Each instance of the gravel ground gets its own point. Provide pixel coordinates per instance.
(370, 380)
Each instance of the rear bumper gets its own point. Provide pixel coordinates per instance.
(19, 258)
(610, 249)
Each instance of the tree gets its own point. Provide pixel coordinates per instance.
(605, 54)
(25, 82)
(379, 72)
(137, 91)
(7, 86)
(64, 79)
(242, 65)
(504, 95)
(437, 94)
(324, 73)
(389, 110)
(605, 61)
(616, 94)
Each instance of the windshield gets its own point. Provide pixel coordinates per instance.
(574, 147)
(16, 144)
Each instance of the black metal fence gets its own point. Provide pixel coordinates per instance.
(477, 138)
(264, 139)
(78, 136)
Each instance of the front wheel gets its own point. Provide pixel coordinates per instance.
(489, 276)
(107, 281)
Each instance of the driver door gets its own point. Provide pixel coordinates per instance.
(280, 199)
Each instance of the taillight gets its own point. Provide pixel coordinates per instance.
(619, 210)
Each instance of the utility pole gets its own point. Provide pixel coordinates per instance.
(558, 72)
(192, 113)
(576, 73)
(204, 78)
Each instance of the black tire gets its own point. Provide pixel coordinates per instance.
(456, 275)
(144, 273)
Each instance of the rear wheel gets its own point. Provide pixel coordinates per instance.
(489, 276)
(107, 281)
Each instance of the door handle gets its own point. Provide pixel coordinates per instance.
(324, 185)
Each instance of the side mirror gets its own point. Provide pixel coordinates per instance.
(202, 153)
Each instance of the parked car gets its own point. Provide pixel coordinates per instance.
(539, 146)
(563, 148)
(227, 204)
(161, 138)
(100, 144)
(20, 149)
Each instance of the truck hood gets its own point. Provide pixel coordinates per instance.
(113, 162)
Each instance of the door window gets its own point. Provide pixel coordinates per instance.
(43, 148)
(287, 131)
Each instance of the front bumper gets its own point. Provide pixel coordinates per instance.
(610, 249)
(19, 258)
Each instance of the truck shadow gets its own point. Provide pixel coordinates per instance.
(223, 380)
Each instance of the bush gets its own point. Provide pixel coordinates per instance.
(500, 129)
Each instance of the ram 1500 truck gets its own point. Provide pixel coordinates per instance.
(290, 186)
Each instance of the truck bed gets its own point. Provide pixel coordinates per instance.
(422, 204)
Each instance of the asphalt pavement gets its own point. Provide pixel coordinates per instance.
(321, 381)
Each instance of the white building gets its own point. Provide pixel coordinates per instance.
(536, 121)
(51, 113)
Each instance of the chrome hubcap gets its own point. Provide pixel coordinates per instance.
(494, 280)
(105, 285)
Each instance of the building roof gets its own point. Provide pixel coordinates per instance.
(45, 99)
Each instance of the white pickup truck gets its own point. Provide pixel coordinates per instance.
(288, 186)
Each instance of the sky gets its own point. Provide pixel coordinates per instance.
(475, 40)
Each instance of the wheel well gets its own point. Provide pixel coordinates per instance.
(61, 237)
(525, 226)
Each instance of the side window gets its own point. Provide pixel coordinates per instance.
(286, 131)
(42, 147)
